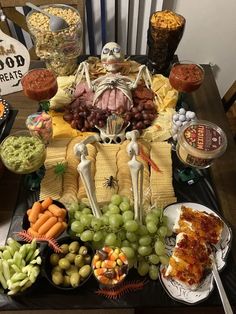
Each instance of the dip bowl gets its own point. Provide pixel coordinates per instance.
(22, 153)
(186, 76)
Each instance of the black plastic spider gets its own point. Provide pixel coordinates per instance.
(110, 182)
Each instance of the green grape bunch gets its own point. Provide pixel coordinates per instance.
(143, 244)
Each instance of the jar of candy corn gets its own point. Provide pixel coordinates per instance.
(110, 266)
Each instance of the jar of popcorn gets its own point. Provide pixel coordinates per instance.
(60, 49)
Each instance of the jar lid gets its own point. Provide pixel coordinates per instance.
(203, 138)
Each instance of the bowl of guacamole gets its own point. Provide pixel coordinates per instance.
(22, 153)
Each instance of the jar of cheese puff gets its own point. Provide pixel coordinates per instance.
(165, 31)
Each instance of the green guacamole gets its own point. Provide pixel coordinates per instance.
(22, 154)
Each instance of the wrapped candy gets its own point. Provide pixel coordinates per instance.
(40, 124)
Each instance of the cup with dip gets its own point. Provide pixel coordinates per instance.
(186, 76)
(39, 84)
(199, 143)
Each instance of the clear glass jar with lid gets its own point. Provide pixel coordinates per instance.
(58, 49)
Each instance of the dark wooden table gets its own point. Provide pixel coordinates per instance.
(208, 106)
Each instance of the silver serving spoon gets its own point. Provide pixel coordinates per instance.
(56, 23)
(223, 296)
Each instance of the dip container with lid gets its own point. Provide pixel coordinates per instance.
(199, 142)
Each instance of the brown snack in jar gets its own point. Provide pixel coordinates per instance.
(164, 34)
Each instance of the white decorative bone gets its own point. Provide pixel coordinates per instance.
(84, 169)
(145, 75)
(88, 140)
(83, 70)
(136, 170)
(112, 57)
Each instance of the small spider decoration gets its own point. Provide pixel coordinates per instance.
(110, 182)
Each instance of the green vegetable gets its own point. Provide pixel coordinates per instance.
(19, 265)
(6, 270)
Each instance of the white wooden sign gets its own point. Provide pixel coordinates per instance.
(14, 63)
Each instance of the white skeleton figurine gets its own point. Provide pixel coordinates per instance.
(112, 60)
(84, 169)
(136, 170)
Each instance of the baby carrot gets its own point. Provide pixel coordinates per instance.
(47, 225)
(55, 210)
(64, 226)
(48, 213)
(45, 216)
(36, 209)
(32, 232)
(28, 211)
(63, 213)
(47, 202)
(54, 230)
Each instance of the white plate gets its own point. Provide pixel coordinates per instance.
(174, 288)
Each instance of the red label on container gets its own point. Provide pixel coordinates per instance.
(203, 137)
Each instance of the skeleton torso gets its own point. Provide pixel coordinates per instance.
(113, 92)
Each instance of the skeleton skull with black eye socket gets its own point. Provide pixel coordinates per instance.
(112, 57)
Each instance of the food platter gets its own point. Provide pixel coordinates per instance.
(175, 289)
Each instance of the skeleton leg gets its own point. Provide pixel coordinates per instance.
(136, 170)
(84, 168)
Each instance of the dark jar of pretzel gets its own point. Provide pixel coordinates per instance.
(165, 31)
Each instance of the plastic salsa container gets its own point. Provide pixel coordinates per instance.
(199, 142)
(186, 76)
(39, 84)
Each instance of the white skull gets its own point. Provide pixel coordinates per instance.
(111, 57)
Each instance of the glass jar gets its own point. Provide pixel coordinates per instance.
(58, 49)
(165, 31)
(39, 84)
(186, 76)
(199, 142)
(110, 266)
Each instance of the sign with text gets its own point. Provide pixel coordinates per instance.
(14, 63)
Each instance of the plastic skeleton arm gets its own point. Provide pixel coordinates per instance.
(84, 169)
(83, 70)
(136, 170)
(143, 73)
